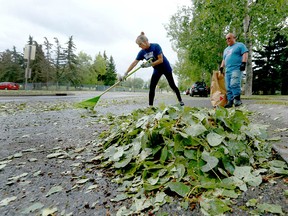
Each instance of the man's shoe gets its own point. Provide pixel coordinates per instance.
(237, 101)
(229, 104)
(182, 103)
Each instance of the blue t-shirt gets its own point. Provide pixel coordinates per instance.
(233, 56)
(152, 52)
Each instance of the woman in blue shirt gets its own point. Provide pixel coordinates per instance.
(160, 64)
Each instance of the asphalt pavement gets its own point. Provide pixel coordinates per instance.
(274, 115)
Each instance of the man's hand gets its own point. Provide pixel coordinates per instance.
(221, 69)
(146, 64)
(242, 66)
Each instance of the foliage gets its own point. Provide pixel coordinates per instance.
(270, 70)
(72, 74)
(110, 76)
(198, 31)
(11, 66)
(133, 83)
(192, 154)
(57, 63)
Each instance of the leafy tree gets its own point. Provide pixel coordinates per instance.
(134, 83)
(98, 69)
(83, 66)
(11, 66)
(198, 31)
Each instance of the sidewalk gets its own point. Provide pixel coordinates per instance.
(277, 117)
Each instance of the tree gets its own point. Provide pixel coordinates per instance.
(11, 66)
(198, 31)
(98, 69)
(71, 72)
(134, 83)
(84, 64)
(270, 68)
(110, 76)
(49, 69)
(59, 62)
(38, 66)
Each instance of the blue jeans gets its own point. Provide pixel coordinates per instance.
(233, 84)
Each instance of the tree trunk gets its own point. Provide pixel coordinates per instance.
(248, 41)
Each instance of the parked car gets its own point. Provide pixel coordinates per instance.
(9, 86)
(199, 88)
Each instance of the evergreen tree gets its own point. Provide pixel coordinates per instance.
(110, 75)
(49, 69)
(71, 74)
(59, 62)
(38, 65)
(270, 70)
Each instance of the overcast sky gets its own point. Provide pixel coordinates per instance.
(96, 26)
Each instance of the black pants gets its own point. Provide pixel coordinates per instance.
(154, 80)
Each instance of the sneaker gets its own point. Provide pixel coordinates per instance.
(237, 103)
(181, 103)
(229, 104)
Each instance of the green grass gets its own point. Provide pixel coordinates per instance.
(268, 99)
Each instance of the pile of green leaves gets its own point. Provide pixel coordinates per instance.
(196, 155)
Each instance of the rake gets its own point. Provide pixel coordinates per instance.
(91, 103)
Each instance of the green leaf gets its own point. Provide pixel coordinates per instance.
(245, 174)
(230, 194)
(252, 202)
(120, 197)
(124, 162)
(33, 208)
(214, 139)
(179, 187)
(145, 153)
(190, 154)
(152, 180)
(195, 130)
(160, 198)
(164, 154)
(276, 209)
(211, 162)
(53, 190)
(7, 200)
(214, 206)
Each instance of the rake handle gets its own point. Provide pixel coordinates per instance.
(119, 81)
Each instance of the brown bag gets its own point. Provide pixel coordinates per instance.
(218, 90)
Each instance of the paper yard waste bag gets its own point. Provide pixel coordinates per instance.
(218, 90)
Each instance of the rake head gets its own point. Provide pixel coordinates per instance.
(88, 104)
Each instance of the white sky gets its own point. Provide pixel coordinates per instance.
(96, 26)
